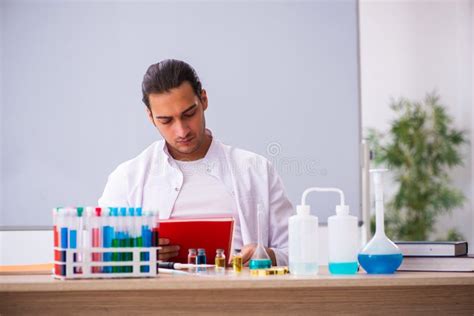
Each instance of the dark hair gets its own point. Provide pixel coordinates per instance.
(166, 75)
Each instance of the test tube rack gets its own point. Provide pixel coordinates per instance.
(78, 264)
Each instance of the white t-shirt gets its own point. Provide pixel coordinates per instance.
(203, 195)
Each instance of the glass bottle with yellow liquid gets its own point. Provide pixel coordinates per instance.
(220, 259)
(237, 261)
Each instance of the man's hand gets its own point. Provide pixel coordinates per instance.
(167, 251)
(248, 250)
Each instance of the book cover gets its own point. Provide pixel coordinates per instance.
(430, 248)
(445, 264)
(208, 233)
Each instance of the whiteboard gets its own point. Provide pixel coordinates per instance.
(282, 80)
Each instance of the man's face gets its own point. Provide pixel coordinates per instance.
(179, 117)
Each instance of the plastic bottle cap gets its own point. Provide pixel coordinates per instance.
(123, 211)
(342, 209)
(80, 210)
(303, 210)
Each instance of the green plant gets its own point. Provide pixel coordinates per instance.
(419, 149)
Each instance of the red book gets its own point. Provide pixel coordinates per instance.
(207, 233)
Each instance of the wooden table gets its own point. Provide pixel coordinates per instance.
(402, 293)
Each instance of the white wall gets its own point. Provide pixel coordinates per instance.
(409, 48)
(26, 247)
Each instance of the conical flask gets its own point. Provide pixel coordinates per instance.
(260, 258)
(380, 255)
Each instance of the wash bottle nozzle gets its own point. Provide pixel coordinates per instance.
(341, 209)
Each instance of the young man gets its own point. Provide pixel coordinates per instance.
(191, 174)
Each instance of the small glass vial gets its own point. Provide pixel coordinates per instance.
(192, 256)
(220, 259)
(237, 261)
(201, 256)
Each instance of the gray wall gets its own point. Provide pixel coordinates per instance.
(282, 80)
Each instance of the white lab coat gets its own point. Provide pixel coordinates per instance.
(153, 180)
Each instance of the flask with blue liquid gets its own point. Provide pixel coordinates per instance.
(380, 255)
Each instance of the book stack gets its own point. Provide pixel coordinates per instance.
(436, 256)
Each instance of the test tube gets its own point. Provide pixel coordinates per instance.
(65, 236)
(62, 240)
(147, 237)
(73, 228)
(55, 227)
(80, 232)
(155, 224)
(130, 236)
(108, 235)
(57, 268)
(122, 237)
(115, 240)
(155, 228)
(96, 242)
(87, 236)
(140, 236)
